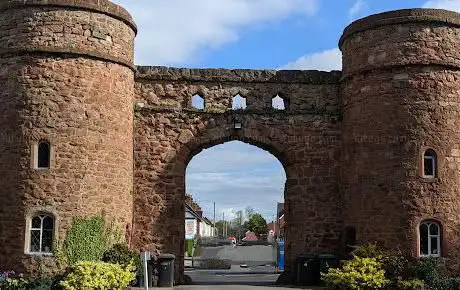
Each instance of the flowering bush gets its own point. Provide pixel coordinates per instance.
(98, 276)
(357, 274)
(12, 281)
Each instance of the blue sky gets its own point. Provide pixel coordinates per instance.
(269, 34)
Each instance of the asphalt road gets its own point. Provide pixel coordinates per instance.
(250, 255)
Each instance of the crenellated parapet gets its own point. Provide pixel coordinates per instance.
(66, 27)
(401, 38)
(302, 91)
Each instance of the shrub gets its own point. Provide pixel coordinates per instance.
(370, 250)
(435, 276)
(189, 244)
(121, 254)
(12, 280)
(87, 240)
(358, 273)
(411, 285)
(429, 270)
(45, 283)
(99, 276)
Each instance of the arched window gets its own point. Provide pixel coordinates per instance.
(41, 233)
(43, 155)
(198, 102)
(280, 103)
(430, 239)
(429, 164)
(239, 103)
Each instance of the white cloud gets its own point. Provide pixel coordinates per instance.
(358, 8)
(453, 5)
(175, 31)
(326, 61)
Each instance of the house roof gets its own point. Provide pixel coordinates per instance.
(188, 209)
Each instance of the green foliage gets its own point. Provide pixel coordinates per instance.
(45, 283)
(435, 275)
(396, 265)
(87, 240)
(98, 276)
(257, 224)
(429, 269)
(411, 285)
(370, 250)
(12, 280)
(121, 254)
(14, 284)
(358, 273)
(189, 245)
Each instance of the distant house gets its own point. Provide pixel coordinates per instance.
(250, 236)
(195, 223)
(206, 228)
(276, 226)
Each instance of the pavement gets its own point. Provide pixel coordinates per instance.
(258, 275)
(236, 287)
(234, 280)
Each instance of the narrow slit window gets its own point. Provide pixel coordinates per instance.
(41, 234)
(198, 102)
(429, 164)
(43, 155)
(239, 103)
(430, 239)
(350, 239)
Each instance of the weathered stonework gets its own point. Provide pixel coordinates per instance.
(306, 140)
(55, 87)
(121, 136)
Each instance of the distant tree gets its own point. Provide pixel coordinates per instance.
(220, 228)
(249, 211)
(238, 225)
(257, 224)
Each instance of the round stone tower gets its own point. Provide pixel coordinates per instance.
(401, 129)
(66, 121)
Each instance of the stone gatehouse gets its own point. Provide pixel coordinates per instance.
(371, 153)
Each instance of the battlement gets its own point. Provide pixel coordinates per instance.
(404, 16)
(161, 73)
(68, 28)
(99, 6)
(401, 38)
(306, 91)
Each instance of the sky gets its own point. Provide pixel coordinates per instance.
(253, 34)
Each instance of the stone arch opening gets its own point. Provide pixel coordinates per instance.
(237, 178)
(305, 143)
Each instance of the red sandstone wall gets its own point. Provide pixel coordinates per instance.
(401, 96)
(63, 83)
(168, 133)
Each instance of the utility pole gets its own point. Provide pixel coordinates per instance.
(214, 229)
(223, 225)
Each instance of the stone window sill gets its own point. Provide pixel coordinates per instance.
(428, 179)
(39, 254)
